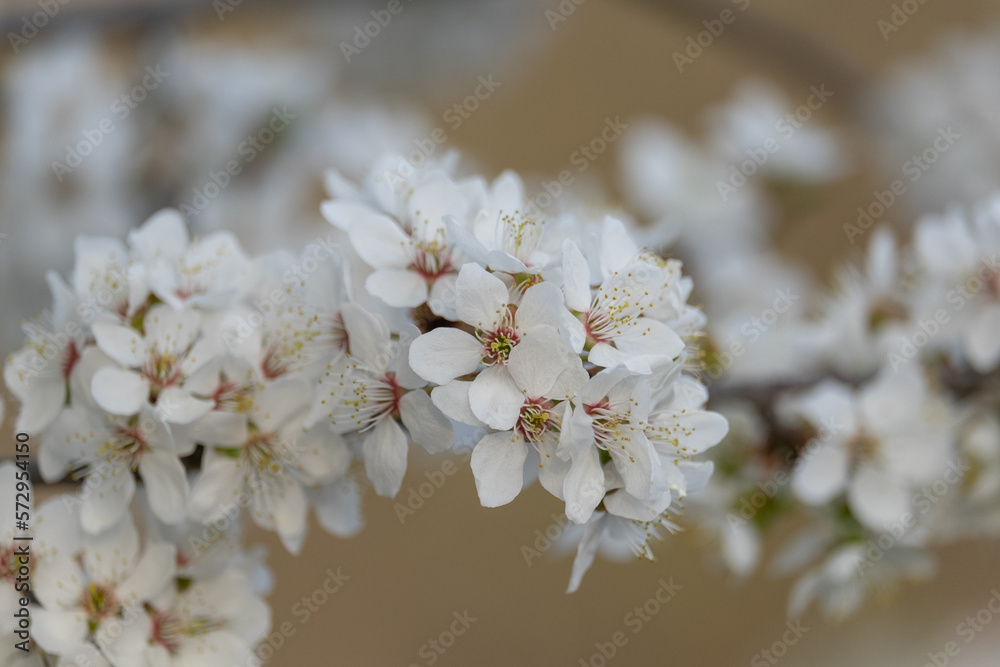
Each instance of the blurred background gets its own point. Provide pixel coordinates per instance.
(112, 109)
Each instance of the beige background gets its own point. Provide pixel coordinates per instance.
(406, 580)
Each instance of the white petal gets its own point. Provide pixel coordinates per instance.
(385, 452)
(498, 260)
(498, 465)
(620, 503)
(453, 400)
(344, 214)
(338, 507)
(118, 391)
(576, 278)
(552, 469)
(877, 498)
(123, 344)
(830, 403)
(176, 406)
(481, 298)
(617, 247)
(290, 517)
(58, 631)
(106, 498)
(536, 362)
(540, 305)
(170, 331)
(584, 485)
(398, 288)
(442, 298)
(495, 399)
(368, 336)
(152, 574)
(58, 581)
(216, 489)
(444, 354)
(164, 235)
(821, 473)
(280, 401)
(633, 458)
(379, 241)
(166, 485)
(586, 551)
(111, 556)
(427, 426)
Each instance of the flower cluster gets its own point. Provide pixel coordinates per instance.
(449, 313)
(561, 345)
(867, 412)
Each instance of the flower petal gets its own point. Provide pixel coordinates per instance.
(481, 297)
(119, 391)
(498, 465)
(398, 288)
(820, 475)
(166, 485)
(427, 426)
(442, 355)
(495, 399)
(385, 452)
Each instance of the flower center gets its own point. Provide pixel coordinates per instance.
(70, 357)
(497, 345)
(231, 397)
(537, 418)
(430, 260)
(162, 370)
(374, 399)
(885, 312)
(609, 425)
(272, 366)
(99, 602)
(863, 447)
(520, 234)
